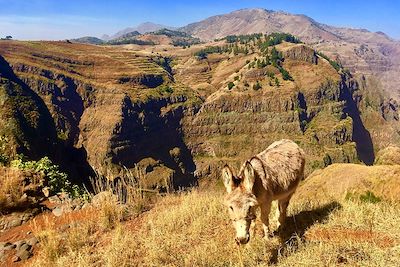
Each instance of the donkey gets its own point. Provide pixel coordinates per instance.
(273, 174)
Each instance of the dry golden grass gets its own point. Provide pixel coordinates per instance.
(13, 184)
(339, 180)
(388, 156)
(192, 229)
(10, 189)
(73, 246)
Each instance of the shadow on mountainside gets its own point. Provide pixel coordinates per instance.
(297, 225)
(147, 133)
(361, 136)
(41, 139)
(38, 136)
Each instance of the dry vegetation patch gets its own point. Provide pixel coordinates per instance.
(193, 229)
(16, 188)
(338, 181)
(388, 156)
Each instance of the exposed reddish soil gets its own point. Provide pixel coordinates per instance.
(40, 223)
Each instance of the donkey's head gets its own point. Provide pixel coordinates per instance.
(240, 200)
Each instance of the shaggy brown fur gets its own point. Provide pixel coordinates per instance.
(273, 174)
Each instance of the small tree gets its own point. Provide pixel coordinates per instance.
(285, 74)
(277, 82)
(8, 37)
(201, 55)
(257, 86)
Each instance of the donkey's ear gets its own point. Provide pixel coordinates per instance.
(248, 179)
(227, 178)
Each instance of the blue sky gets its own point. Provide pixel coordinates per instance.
(60, 19)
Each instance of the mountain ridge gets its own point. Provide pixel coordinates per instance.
(322, 26)
(362, 51)
(142, 28)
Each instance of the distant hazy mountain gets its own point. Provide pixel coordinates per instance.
(258, 20)
(360, 50)
(141, 28)
(88, 40)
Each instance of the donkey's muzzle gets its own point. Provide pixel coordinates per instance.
(242, 240)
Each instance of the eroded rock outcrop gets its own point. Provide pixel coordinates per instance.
(301, 52)
(116, 110)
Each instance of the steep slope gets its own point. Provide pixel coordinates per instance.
(249, 104)
(108, 104)
(361, 51)
(25, 124)
(312, 109)
(180, 113)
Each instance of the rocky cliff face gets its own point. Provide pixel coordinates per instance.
(236, 125)
(174, 117)
(114, 126)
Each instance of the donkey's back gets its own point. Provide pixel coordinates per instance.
(280, 167)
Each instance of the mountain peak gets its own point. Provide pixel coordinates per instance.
(142, 28)
(260, 20)
(254, 9)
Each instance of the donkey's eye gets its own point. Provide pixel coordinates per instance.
(231, 208)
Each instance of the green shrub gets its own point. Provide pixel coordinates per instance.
(3, 159)
(57, 181)
(166, 89)
(327, 160)
(270, 74)
(285, 74)
(230, 85)
(129, 41)
(337, 66)
(316, 164)
(277, 82)
(201, 54)
(257, 86)
(369, 197)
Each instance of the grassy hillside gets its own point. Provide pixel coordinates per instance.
(192, 229)
(352, 180)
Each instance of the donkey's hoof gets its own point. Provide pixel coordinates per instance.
(268, 236)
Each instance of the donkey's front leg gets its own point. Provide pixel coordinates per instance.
(282, 206)
(253, 229)
(265, 210)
